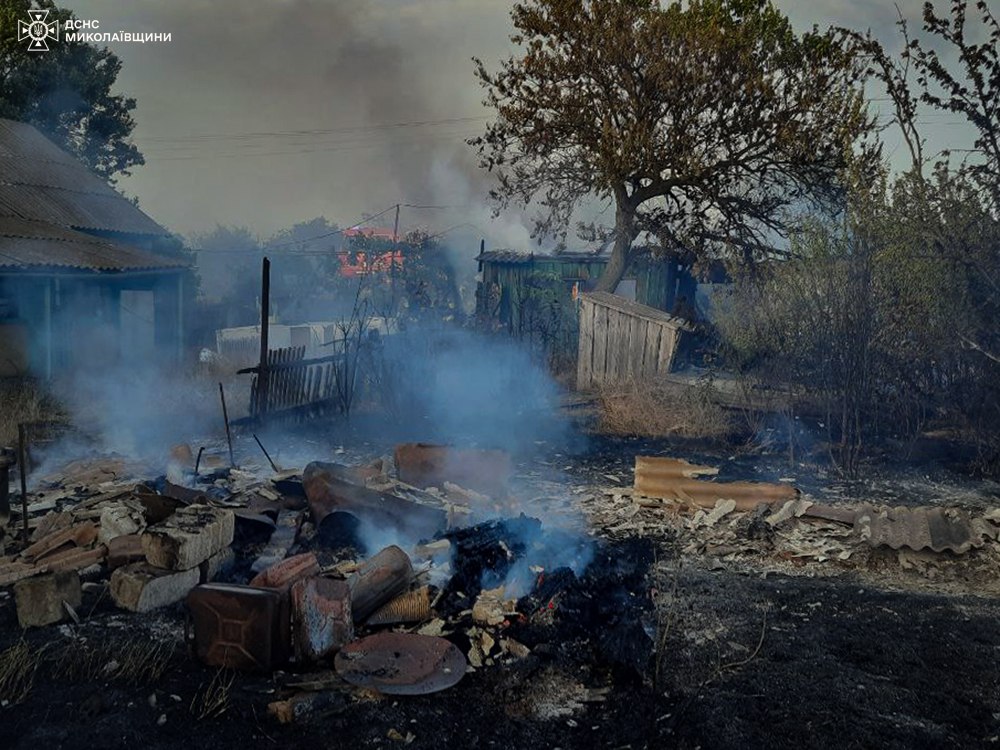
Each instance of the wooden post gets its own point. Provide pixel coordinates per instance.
(22, 460)
(225, 417)
(263, 377)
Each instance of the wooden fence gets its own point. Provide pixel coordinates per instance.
(621, 340)
(292, 388)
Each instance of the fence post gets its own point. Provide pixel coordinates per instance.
(263, 375)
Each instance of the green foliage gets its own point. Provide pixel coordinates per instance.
(66, 92)
(547, 318)
(702, 121)
(882, 320)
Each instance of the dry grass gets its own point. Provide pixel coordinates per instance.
(213, 699)
(662, 409)
(24, 400)
(140, 661)
(18, 665)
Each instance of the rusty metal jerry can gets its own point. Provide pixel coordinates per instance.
(240, 627)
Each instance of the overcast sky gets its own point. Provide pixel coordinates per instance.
(263, 113)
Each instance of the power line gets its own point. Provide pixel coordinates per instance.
(264, 248)
(195, 138)
(294, 152)
(302, 141)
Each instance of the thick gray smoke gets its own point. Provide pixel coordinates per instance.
(457, 386)
(284, 70)
(306, 108)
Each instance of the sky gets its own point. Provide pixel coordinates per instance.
(264, 113)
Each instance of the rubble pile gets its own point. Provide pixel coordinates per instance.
(278, 573)
(775, 527)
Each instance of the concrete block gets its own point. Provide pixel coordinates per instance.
(321, 617)
(287, 572)
(189, 537)
(140, 587)
(119, 520)
(40, 600)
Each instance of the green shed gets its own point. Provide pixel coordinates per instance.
(507, 279)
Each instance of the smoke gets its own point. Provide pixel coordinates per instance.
(304, 108)
(140, 409)
(460, 387)
(120, 388)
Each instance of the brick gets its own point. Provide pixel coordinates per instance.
(287, 572)
(74, 559)
(124, 550)
(80, 535)
(190, 536)
(321, 617)
(40, 600)
(140, 587)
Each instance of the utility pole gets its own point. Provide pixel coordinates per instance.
(392, 260)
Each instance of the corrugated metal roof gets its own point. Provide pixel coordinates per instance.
(40, 181)
(514, 256)
(27, 244)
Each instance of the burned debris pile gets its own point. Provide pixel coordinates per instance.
(347, 572)
(774, 527)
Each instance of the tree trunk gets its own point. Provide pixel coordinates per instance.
(622, 252)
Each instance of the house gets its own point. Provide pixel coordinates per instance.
(85, 276)
(360, 262)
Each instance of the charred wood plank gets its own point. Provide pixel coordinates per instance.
(328, 493)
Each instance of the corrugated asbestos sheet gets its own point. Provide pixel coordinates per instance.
(26, 243)
(938, 529)
(38, 180)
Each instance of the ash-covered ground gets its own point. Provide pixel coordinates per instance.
(739, 644)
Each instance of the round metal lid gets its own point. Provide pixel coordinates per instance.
(401, 663)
